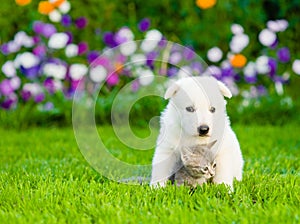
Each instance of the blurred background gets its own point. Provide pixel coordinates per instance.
(47, 47)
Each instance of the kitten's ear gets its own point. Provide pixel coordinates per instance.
(210, 145)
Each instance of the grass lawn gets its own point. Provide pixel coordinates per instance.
(45, 179)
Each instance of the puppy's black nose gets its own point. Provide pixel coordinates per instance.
(203, 130)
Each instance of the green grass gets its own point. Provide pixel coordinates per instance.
(45, 179)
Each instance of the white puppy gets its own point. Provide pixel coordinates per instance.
(196, 114)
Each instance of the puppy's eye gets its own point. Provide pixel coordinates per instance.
(212, 109)
(190, 109)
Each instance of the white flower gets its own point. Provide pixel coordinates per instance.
(33, 88)
(138, 59)
(125, 33)
(56, 71)
(214, 70)
(152, 39)
(239, 42)
(237, 29)
(267, 37)
(28, 42)
(71, 50)
(77, 71)
(277, 25)
(26, 59)
(214, 54)
(98, 74)
(128, 48)
(175, 58)
(296, 66)
(13, 47)
(15, 82)
(19, 37)
(55, 16)
(261, 65)
(154, 35)
(250, 69)
(8, 69)
(65, 7)
(279, 88)
(58, 40)
(146, 77)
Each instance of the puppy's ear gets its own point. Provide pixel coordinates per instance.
(224, 90)
(171, 91)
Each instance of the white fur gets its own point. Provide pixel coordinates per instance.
(179, 128)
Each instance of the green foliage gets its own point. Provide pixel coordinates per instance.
(52, 183)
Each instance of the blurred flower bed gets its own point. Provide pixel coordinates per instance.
(44, 66)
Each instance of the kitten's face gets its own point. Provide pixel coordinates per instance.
(199, 162)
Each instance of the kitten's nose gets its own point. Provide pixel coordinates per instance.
(203, 130)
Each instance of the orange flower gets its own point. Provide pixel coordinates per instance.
(58, 3)
(205, 4)
(23, 2)
(45, 7)
(238, 61)
(119, 67)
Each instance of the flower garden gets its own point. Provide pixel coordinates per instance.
(51, 49)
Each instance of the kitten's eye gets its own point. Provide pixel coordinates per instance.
(212, 109)
(205, 169)
(214, 166)
(190, 109)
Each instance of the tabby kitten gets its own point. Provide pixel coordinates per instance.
(198, 165)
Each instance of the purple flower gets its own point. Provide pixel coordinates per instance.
(6, 88)
(9, 103)
(197, 67)
(227, 72)
(92, 55)
(273, 66)
(32, 72)
(5, 49)
(102, 61)
(81, 22)
(188, 53)
(82, 48)
(39, 97)
(70, 35)
(66, 20)
(112, 79)
(151, 59)
(144, 24)
(36, 39)
(48, 30)
(172, 71)
(48, 106)
(49, 85)
(25, 95)
(40, 50)
(38, 27)
(109, 40)
(261, 90)
(283, 55)
(250, 79)
(275, 44)
(135, 86)
(162, 43)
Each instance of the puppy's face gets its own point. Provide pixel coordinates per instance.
(194, 104)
